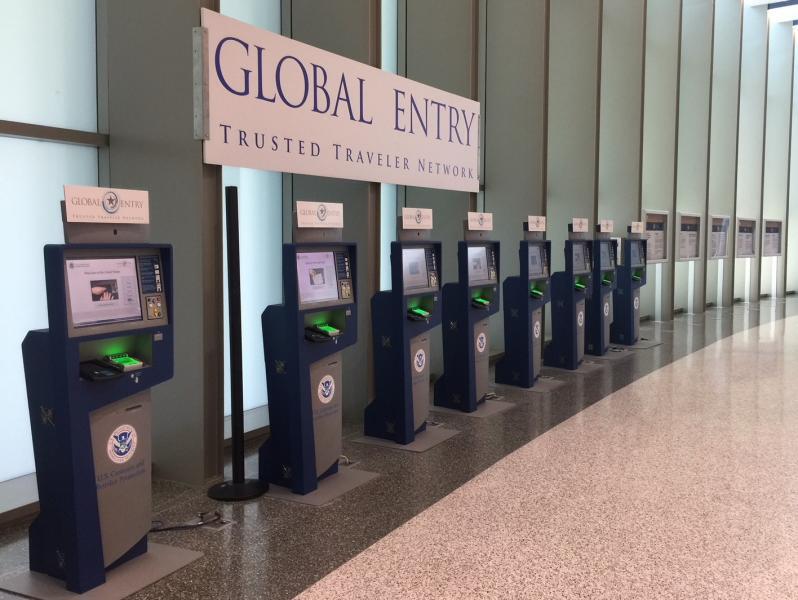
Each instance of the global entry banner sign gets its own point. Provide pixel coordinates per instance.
(276, 104)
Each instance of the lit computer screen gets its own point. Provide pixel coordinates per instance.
(316, 277)
(414, 268)
(535, 259)
(606, 257)
(103, 290)
(478, 264)
(579, 255)
(636, 258)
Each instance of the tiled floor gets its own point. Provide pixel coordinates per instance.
(683, 484)
(679, 492)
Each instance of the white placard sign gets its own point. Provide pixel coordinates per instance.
(536, 223)
(771, 243)
(656, 235)
(689, 247)
(719, 237)
(606, 226)
(480, 221)
(579, 225)
(416, 218)
(276, 104)
(636, 227)
(319, 214)
(85, 204)
(746, 232)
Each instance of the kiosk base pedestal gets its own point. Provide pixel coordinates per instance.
(425, 440)
(121, 582)
(488, 408)
(330, 488)
(233, 491)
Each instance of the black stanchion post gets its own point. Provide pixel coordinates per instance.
(240, 488)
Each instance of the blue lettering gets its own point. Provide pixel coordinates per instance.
(398, 110)
(468, 123)
(317, 69)
(260, 95)
(218, 61)
(414, 109)
(280, 83)
(361, 86)
(343, 94)
(226, 129)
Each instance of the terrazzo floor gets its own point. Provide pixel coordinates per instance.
(662, 497)
(683, 484)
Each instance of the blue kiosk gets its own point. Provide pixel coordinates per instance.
(631, 277)
(525, 296)
(467, 307)
(599, 309)
(302, 340)
(569, 290)
(401, 321)
(89, 374)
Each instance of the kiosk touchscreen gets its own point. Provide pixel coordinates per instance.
(569, 290)
(525, 296)
(599, 305)
(302, 341)
(625, 327)
(402, 319)
(88, 377)
(467, 306)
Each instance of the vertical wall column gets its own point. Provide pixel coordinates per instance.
(660, 119)
(792, 217)
(572, 167)
(695, 91)
(621, 122)
(514, 119)
(723, 142)
(753, 83)
(149, 96)
(320, 24)
(777, 150)
(439, 51)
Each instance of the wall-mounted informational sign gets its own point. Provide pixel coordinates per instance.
(319, 214)
(656, 223)
(719, 237)
(85, 204)
(606, 225)
(771, 240)
(480, 221)
(579, 225)
(636, 227)
(416, 218)
(746, 238)
(536, 223)
(269, 102)
(689, 242)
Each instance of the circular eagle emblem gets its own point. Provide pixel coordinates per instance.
(580, 318)
(482, 342)
(321, 212)
(122, 444)
(419, 360)
(326, 389)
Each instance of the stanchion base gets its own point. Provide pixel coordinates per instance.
(231, 491)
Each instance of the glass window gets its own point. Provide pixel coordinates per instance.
(388, 192)
(31, 185)
(49, 65)
(260, 219)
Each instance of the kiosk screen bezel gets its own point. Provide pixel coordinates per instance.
(539, 251)
(143, 321)
(585, 258)
(473, 279)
